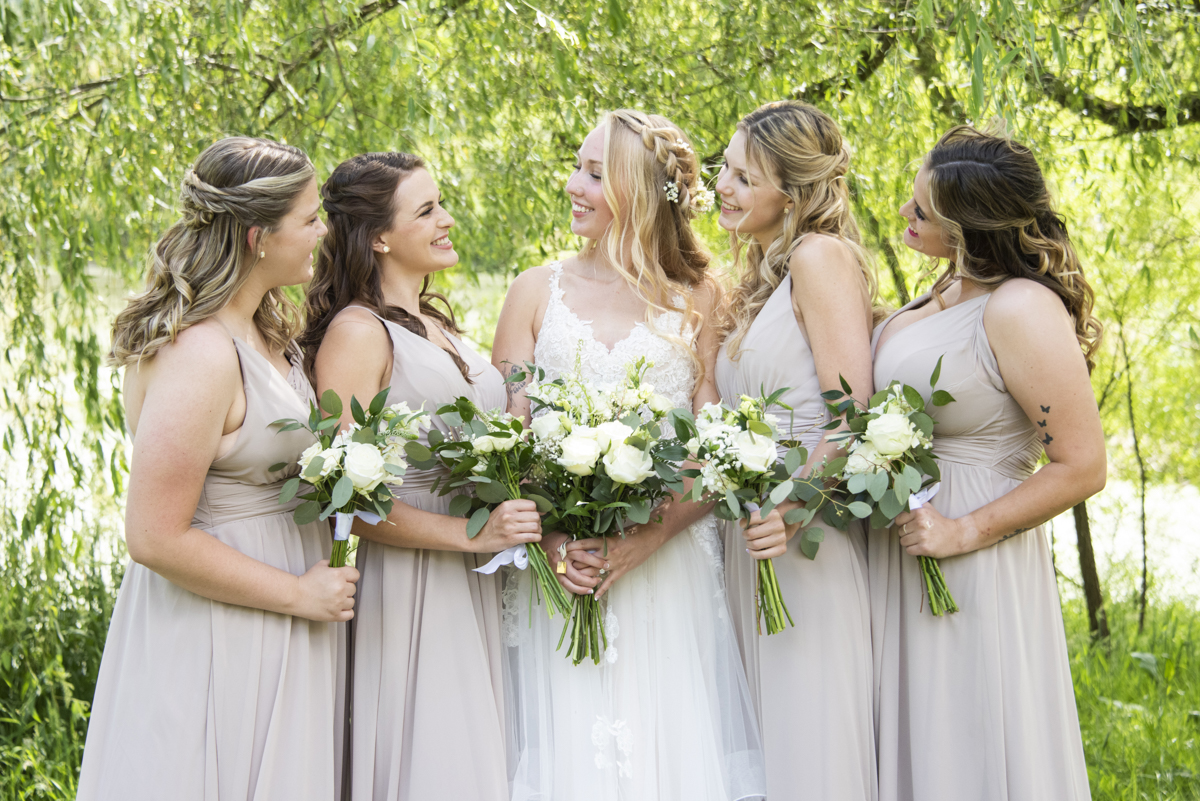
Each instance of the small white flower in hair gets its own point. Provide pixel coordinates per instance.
(703, 200)
(672, 190)
(682, 145)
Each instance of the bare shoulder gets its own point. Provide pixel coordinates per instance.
(1022, 303)
(202, 349)
(356, 326)
(821, 257)
(707, 297)
(530, 287)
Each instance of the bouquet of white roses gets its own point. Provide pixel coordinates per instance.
(491, 454)
(602, 463)
(890, 465)
(737, 450)
(347, 473)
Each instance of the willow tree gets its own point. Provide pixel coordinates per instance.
(104, 102)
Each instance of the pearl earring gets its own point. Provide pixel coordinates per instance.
(386, 249)
(262, 254)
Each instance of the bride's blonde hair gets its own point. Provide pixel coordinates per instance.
(651, 181)
(203, 259)
(801, 147)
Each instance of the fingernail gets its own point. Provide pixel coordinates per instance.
(607, 565)
(591, 592)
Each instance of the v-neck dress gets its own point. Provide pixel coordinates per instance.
(977, 704)
(428, 719)
(811, 683)
(199, 700)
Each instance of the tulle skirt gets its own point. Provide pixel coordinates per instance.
(666, 715)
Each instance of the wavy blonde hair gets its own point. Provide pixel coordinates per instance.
(651, 181)
(801, 151)
(203, 260)
(988, 194)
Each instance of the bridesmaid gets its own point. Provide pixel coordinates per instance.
(800, 316)
(979, 704)
(428, 716)
(221, 669)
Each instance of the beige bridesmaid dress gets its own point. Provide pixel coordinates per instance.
(811, 683)
(978, 704)
(428, 719)
(199, 700)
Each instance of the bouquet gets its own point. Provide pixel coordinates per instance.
(889, 465)
(491, 453)
(602, 463)
(737, 450)
(345, 472)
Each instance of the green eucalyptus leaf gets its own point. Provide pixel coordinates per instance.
(477, 522)
(459, 505)
(342, 491)
(306, 513)
(331, 404)
(859, 509)
(289, 489)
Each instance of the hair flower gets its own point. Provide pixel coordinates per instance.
(703, 200)
(672, 190)
(682, 145)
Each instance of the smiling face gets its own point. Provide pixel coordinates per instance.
(289, 248)
(923, 234)
(750, 202)
(419, 238)
(590, 212)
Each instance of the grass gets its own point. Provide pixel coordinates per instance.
(1138, 694)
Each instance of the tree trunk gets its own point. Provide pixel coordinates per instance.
(1097, 619)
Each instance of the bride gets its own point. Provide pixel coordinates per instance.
(667, 714)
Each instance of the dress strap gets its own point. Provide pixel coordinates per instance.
(556, 293)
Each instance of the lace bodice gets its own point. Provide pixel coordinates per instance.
(564, 334)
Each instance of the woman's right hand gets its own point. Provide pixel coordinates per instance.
(582, 572)
(511, 523)
(326, 594)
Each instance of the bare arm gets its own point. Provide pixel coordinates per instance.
(1034, 342)
(179, 427)
(355, 360)
(516, 334)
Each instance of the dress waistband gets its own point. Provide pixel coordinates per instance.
(976, 453)
(225, 500)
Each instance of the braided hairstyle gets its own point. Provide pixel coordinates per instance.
(988, 194)
(360, 200)
(800, 149)
(202, 260)
(653, 185)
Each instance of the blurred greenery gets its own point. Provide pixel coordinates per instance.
(103, 103)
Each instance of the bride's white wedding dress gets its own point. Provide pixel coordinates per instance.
(667, 716)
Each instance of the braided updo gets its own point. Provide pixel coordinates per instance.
(202, 260)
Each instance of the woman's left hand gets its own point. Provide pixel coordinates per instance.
(623, 554)
(925, 532)
(766, 539)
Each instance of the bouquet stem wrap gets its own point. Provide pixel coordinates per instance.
(769, 605)
(940, 599)
(341, 534)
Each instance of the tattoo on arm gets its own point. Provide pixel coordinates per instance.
(1046, 438)
(514, 387)
(1015, 533)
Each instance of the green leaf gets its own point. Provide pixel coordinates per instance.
(879, 519)
(914, 398)
(306, 513)
(878, 484)
(937, 371)
(477, 522)
(794, 460)
(342, 491)
(923, 422)
(845, 384)
(941, 397)
(459, 505)
(289, 489)
(781, 492)
(451, 418)
(912, 478)
(799, 515)
(542, 503)
(759, 427)
(329, 423)
(735, 508)
(315, 467)
(810, 541)
(859, 509)
(356, 411)
(890, 505)
(857, 483)
(331, 403)
(275, 468)
(378, 402)
(417, 452)
(639, 511)
(364, 435)
(491, 492)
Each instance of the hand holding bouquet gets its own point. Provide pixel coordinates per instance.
(491, 454)
(890, 465)
(347, 473)
(602, 463)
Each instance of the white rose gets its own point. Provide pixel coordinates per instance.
(580, 451)
(660, 404)
(332, 457)
(611, 434)
(549, 425)
(891, 435)
(628, 464)
(756, 452)
(364, 466)
(393, 454)
(485, 444)
(863, 459)
(309, 454)
(503, 444)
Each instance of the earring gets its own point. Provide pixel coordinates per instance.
(386, 249)
(262, 254)
(788, 210)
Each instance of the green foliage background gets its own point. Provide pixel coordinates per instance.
(103, 103)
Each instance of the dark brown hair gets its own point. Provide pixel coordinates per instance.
(360, 203)
(990, 198)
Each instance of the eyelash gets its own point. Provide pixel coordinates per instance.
(742, 178)
(920, 214)
(578, 169)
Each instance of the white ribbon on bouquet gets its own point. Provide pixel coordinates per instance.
(922, 497)
(344, 520)
(516, 556)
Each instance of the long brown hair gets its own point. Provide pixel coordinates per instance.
(988, 194)
(801, 146)
(359, 199)
(203, 259)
